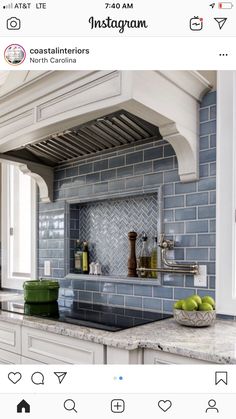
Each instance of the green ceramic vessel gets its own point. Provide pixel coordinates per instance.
(43, 291)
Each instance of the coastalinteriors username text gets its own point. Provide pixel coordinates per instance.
(56, 55)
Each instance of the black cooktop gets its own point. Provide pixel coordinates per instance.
(97, 316)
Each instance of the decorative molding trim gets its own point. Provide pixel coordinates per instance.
(192, 82)
(18, 80)
(14, 123)
(102, 88)
(43, 175)
(187, 156)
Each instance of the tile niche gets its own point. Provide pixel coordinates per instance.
(105, 225)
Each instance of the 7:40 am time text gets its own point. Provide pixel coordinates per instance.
(119, 5)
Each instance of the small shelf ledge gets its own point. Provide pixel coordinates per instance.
(114, 279)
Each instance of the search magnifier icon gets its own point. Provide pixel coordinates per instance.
(69, 405)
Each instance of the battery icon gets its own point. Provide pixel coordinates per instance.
(226, 5)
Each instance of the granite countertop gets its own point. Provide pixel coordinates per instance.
(215, 344)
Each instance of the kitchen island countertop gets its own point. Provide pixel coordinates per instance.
(215, 344)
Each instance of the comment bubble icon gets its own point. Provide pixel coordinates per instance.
(37, 378)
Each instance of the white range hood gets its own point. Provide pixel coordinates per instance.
(35, 105)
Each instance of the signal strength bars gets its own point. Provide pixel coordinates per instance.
(8, 6)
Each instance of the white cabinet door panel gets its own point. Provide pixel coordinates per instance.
(158, 357)
(10, 337)
(51, 348)
(7, 357)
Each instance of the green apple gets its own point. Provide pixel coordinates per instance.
(189, 305)
(205, 307)
(196, 298)
(178, 304)
(209, 300)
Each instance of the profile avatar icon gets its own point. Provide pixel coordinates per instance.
(14, 54)
(212, 406)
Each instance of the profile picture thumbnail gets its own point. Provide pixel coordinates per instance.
(14, 54)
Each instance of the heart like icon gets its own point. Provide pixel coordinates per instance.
(14, 377)
(164, 405)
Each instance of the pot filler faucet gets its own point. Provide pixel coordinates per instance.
(171, 266)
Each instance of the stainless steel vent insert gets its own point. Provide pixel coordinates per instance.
(118, 129)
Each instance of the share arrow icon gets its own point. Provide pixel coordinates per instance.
(221, 21)
(60, 376)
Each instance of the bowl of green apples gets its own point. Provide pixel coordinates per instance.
(195, 311)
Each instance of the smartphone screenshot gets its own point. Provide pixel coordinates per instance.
(118, 209)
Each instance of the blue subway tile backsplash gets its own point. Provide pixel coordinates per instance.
(153, 153)
(204, 114)
(117, 161)
(143, 290)
(185, 214)
(174, 202)
(197, 254)
(181, 188)
(207, 184)
(208, 211)
(85, 168)
(188, 216)
(197, 199)
(154, 304)
(196, 226)
(135, 157)
(135, 302)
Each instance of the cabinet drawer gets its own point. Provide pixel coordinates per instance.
(50, 348)
(158, 357)
(10, 337)
(7, 357)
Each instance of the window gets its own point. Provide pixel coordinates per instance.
(226, 194)
(18, 227)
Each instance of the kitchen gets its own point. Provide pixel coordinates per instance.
(95, 156)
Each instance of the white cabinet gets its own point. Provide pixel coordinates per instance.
(10, 337)
(26, 345)
(10, 343)
(123, 356)
(29, 361)
(7, 357)
(50, 348)
(157, 357)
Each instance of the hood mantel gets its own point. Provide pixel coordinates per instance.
(34, 105)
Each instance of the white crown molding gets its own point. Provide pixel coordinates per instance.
(192, 82)
(34, 105)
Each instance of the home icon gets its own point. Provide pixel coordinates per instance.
(23, 407)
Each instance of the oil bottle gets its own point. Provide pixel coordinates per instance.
(78, 257)
(145, 258)
(154, 258)
(85, 264)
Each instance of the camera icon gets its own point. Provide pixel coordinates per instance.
(13, 24)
